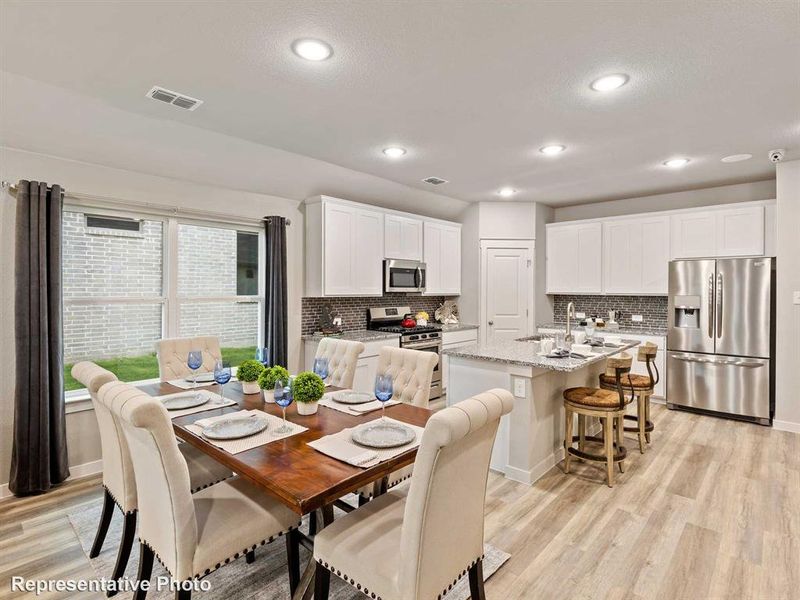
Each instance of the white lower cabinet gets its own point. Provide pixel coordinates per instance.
(452, 340)
(367, 365)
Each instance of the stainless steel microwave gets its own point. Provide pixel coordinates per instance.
(403, 276)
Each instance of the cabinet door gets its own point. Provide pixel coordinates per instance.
(403, 237)
(450, 261)
(562, 260)
(653, 256)
(693, 235)
(740, 232)
(364, 379)
(433, 258)
(339, 232)
(622, 264)
(589, 252)
(367, 248)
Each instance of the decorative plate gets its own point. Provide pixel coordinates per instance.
(233, 429)
(183, 401)
(353, 397)
(382, 434)
(201, 378)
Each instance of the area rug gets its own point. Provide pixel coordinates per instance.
(265, 579)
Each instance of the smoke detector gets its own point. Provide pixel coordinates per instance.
(435, 180)
(175, 98)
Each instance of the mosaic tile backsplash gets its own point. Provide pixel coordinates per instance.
(353, 310)
(652, 308)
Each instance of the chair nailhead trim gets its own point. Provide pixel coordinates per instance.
(208, 485)
(395, 484)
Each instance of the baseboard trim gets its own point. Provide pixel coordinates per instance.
(75, 472)
(786, 426)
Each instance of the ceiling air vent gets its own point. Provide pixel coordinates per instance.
(176, 99)
(435, 180)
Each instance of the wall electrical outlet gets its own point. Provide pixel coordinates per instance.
(796, 298)
(636, 318)
(519, 387)
(579, 315)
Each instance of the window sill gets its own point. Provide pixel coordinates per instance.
(79, 400)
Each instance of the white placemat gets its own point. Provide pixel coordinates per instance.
(341, 447)
(214, 401)
(355, 410)
(242, 444)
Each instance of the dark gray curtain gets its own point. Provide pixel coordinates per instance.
(39, 452)
(275, 309)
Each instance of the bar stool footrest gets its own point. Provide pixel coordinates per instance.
(648, 426)
(620, 452)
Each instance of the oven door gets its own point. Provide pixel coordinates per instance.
(403, 276)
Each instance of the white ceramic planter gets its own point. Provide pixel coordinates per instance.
(250, 387)
(307, 408)
(269, 396)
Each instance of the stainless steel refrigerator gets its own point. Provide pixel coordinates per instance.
(721, 337)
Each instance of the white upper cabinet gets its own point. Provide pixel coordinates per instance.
(442, 256)
(574, 263)
(339, 238)
(636, 256)
(728, 232)
(402, 237)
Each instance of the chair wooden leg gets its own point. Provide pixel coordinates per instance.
(608, 436)
(181, 594)
(362, 500)
(293, 558)
(476, 581)
(124, 552)
(145, 570)
(582, 432)
(250, 557)
(312, 524)
(647, 416)
(102, 527)
(620, 439)
(322, 583)
(642, 420)
(567, 437)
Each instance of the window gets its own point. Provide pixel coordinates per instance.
(130, 280)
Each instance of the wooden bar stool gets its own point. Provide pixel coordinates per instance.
(608, 406)
(643, 386)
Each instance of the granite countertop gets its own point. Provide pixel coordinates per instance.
(457, 327)
(525, 352)
(358, 335)
(656, 331)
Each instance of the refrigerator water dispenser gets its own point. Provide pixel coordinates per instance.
(687, 311)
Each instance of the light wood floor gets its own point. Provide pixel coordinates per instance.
(711, 511)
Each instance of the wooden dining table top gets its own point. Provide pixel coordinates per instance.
(301, 477)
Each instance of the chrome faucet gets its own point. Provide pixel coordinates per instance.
(570, 314)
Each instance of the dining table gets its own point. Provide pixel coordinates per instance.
(302, 478)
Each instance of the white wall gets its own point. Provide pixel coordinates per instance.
(124, 185)
(787, 401)
(507, 220)
(744, 192)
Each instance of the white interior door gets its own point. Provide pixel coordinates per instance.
(507, 289)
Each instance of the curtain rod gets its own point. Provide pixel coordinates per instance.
(174, 210)
(288, 221)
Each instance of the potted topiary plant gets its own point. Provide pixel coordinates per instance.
(248, 373)
(307, 389)
(267, 379)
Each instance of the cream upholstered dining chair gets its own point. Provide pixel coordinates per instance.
(342, 358)
(118, 480)
(191, 534)
(412, 372)
(437, 526)
(174, 352)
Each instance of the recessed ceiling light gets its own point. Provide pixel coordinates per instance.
(312, 49)
(553, 149)
(676, 163)
(609, 82)
(737, 158)
(394, 151)
(507, 192)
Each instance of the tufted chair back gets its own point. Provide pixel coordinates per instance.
(118, 476)
(442, 533)
(173, 353)
(342, 358)
(411, 371)
(167, 521)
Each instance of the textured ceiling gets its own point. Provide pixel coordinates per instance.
(472, 89)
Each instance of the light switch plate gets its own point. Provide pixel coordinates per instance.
(636, 318)
(796, 297)
(519, 387)
(580, 315)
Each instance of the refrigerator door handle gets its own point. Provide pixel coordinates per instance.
(719, 304)
(711, 306)
(722, 362)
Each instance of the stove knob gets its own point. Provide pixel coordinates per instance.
(424, 335)
(414, 337)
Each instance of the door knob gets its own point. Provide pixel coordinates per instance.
(491, 322)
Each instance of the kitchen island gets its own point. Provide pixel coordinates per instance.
(531, 438)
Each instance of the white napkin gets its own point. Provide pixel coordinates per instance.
(328, 400)
(345, 451)
(239, 414)
(368, 407)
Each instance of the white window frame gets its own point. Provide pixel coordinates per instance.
(170, 300)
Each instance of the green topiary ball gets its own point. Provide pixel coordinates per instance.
(250, 370)
(308, 387)
(268, 377)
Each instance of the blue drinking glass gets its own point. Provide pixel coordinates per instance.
(283, 398)
(262, 356)
(321, 367)
(194, 362)
(222, 375)
(384, 389)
